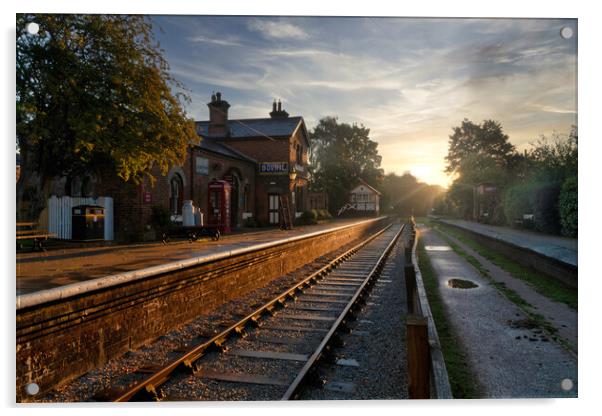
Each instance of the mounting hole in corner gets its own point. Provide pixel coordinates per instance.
(566, 32)
(32, 389)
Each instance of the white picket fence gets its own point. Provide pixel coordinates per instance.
(59, 214)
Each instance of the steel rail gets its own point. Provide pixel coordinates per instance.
(148, 388)
(309, 364)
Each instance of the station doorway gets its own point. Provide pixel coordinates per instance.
(273, 209)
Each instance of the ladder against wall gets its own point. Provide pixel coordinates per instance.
(286, 222)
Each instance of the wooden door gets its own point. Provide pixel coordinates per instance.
(273, 209)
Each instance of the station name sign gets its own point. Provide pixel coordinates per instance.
(273, 168)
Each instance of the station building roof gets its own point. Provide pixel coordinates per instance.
(255, 127)
(211, 145)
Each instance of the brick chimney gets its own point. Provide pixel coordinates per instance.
(218, 115)
(278, 113)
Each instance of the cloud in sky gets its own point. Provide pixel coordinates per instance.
(222, 42)
(409, 80)
(277, 29)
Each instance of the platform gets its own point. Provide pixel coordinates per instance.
(562, 249)
(45, 270)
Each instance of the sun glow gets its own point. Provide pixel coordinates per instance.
(433, 175)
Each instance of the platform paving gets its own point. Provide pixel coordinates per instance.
(45, 270)
(560, 248)
(508, 359)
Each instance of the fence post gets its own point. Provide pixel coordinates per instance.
(408, 254)
(410, 280)
(418, 357)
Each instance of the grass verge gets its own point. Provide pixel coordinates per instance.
(462, 379)
(547, 286)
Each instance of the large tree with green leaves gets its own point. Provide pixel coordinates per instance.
(485, 139)
(95, 96)
(341, 154)
(479, 153)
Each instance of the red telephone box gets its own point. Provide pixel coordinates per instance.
(218, 212)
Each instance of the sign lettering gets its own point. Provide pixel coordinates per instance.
(273, 168)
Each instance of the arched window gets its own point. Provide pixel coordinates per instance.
(176, 197)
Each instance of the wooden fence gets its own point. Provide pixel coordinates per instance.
(59, 214)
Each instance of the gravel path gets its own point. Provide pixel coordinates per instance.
(510, 358)
(560, 316)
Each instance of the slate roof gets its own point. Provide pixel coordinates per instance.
(211, 145)
(255, 127)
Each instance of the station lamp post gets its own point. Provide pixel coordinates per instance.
(292, 175)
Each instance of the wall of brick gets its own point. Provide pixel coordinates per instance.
(132, 212)
(282, 150)
(129, 211)
(219, 168)
(61, 340)
(263, 149)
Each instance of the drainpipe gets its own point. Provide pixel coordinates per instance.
(192, 173)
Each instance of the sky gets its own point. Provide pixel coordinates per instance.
(409, 80)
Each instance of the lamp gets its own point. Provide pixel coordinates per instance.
(292, 174)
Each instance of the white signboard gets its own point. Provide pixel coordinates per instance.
(273, 168)
(202, 165)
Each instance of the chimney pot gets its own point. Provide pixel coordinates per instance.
(218, 115)
(277, 111)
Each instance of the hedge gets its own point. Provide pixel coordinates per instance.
(567, 207)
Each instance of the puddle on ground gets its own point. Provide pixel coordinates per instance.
(461, 284)
(523, 324)
(437, 248)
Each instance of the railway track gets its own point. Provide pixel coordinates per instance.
(274, 351)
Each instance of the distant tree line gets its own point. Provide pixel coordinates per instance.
(406, 195)
(342, 154)
(535, 188)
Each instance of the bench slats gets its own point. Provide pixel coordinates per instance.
(24, 232)
(26, 224)
(32, 236)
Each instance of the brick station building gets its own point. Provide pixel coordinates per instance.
(262, 158)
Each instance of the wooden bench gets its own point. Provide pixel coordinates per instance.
(29, 231)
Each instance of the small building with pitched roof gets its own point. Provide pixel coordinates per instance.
(364, 200)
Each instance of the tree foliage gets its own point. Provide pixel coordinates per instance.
(555, 159)
(486, 139)
(528, 183)
(94, 95)
(341, 154)
(517, 201)
(406, 195)
(568, 207)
